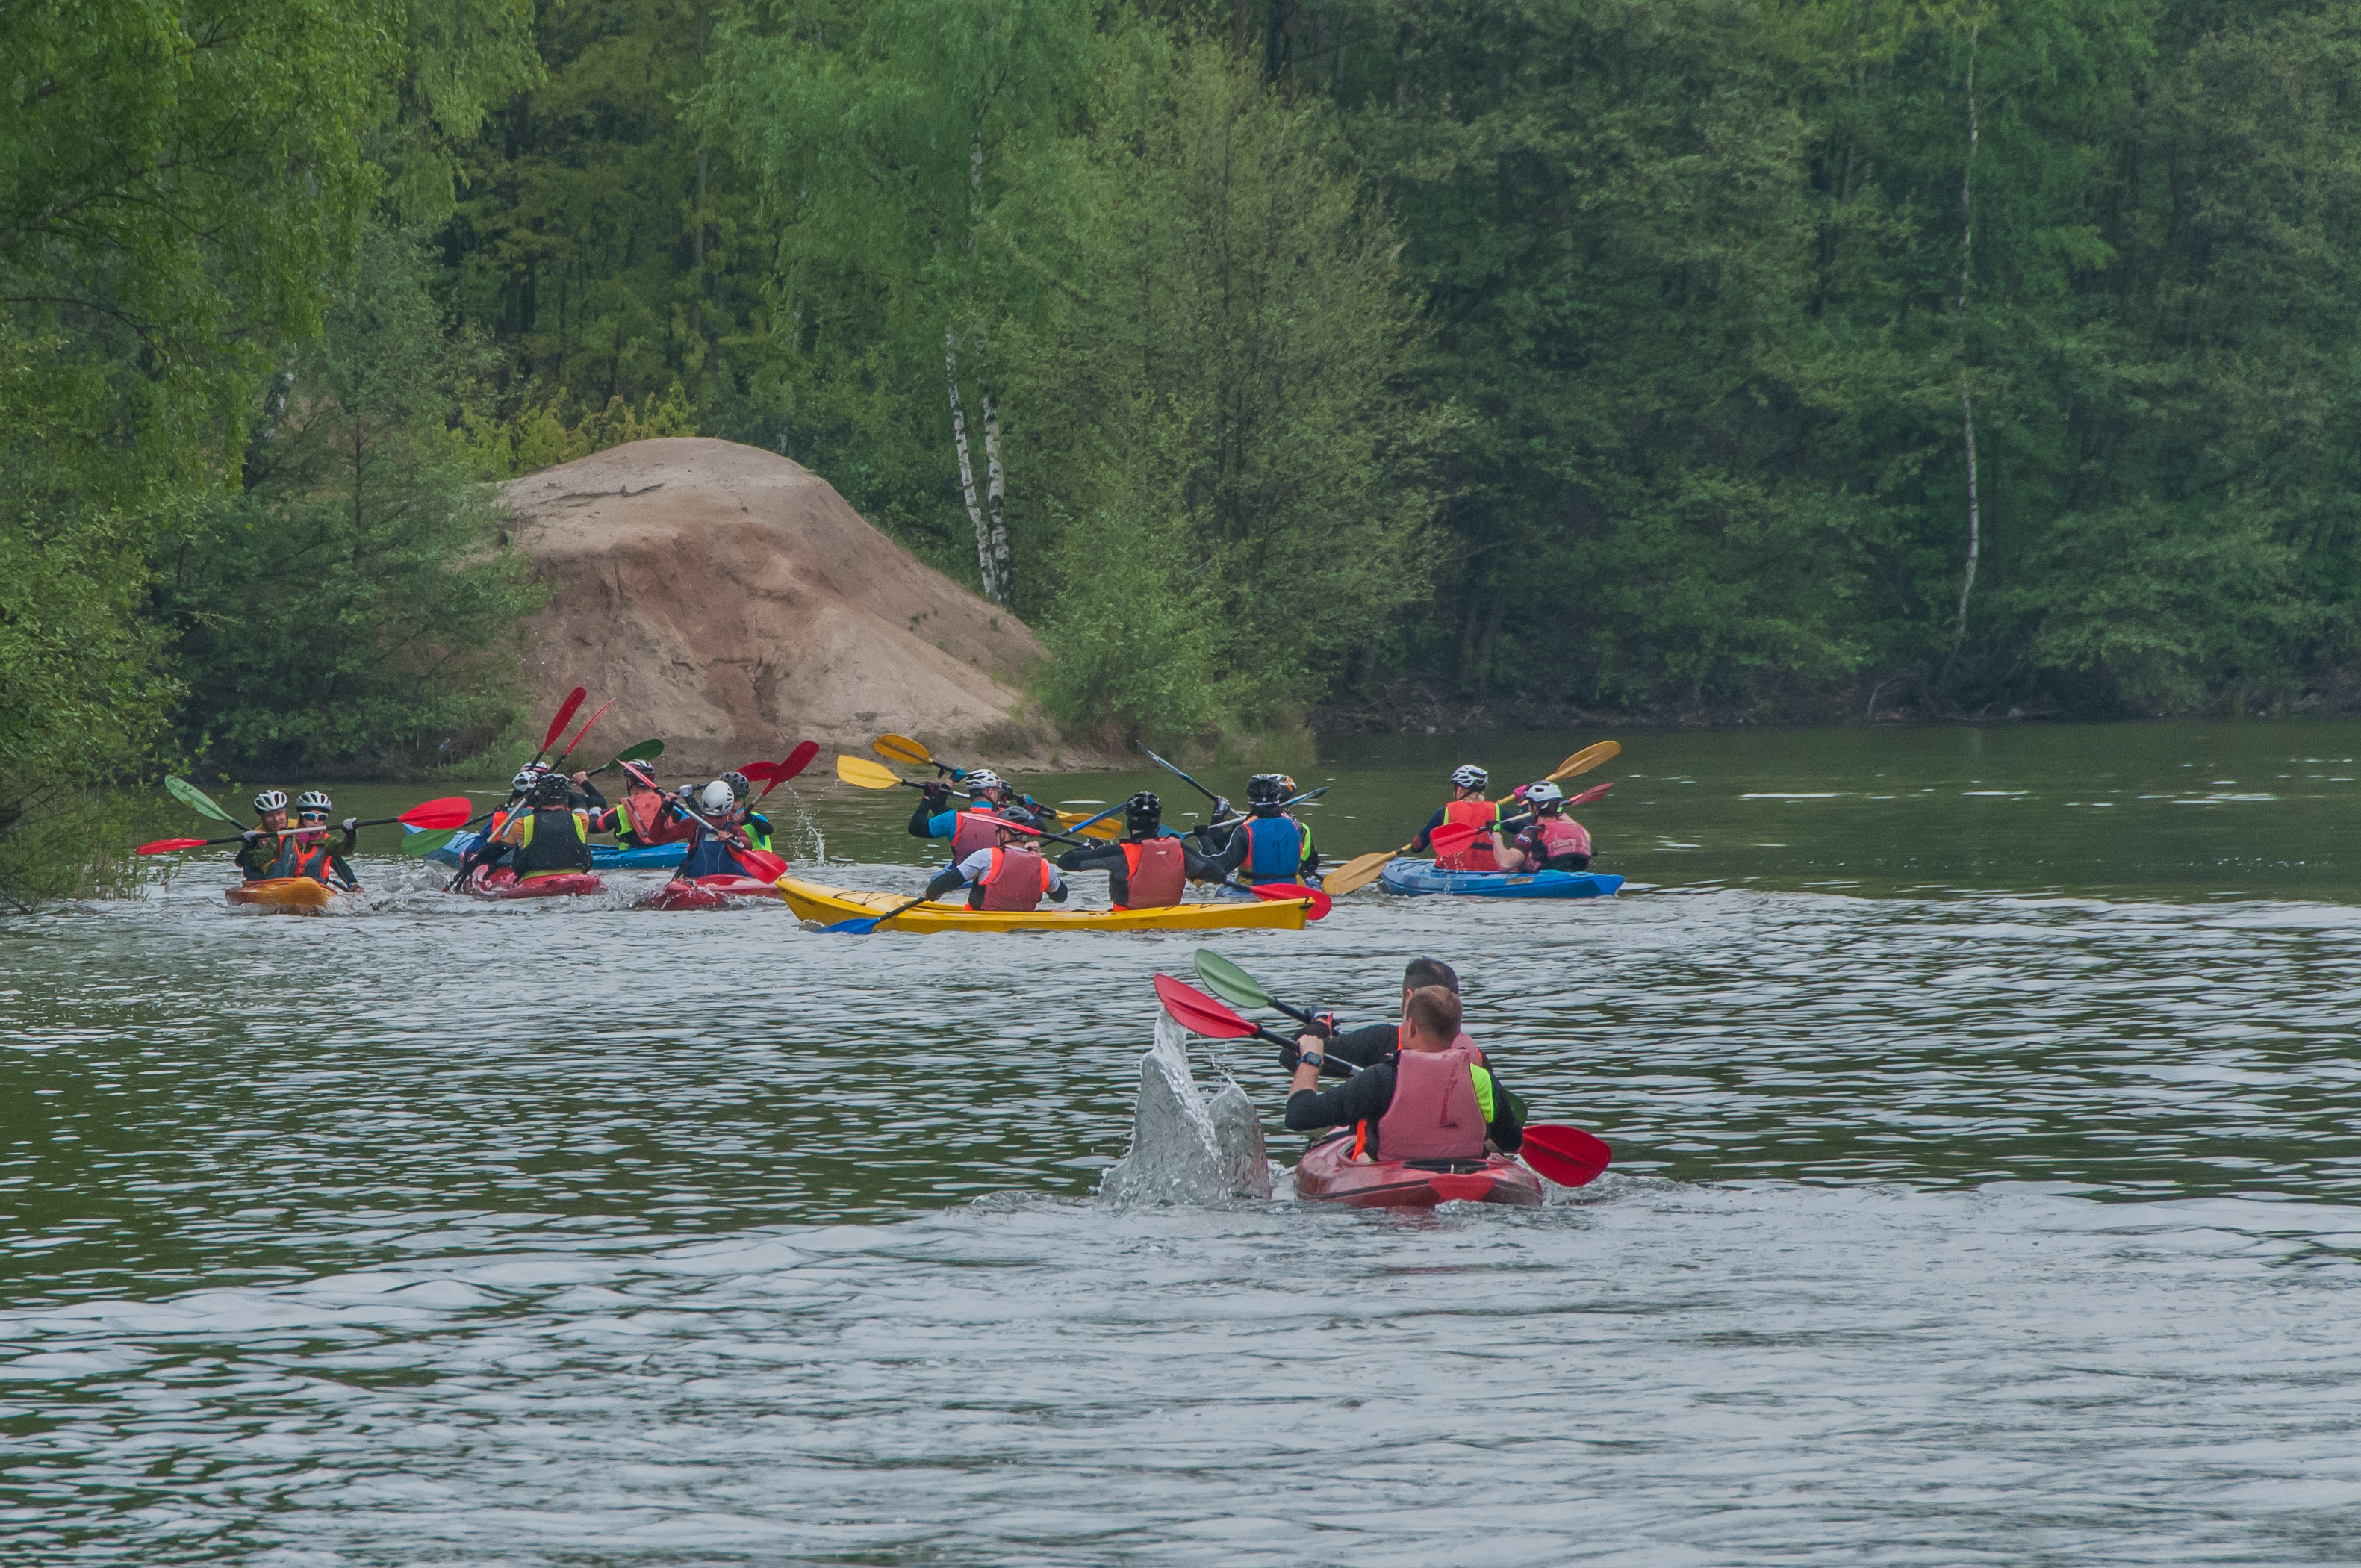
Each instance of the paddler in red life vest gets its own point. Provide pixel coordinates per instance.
(1468, 808)
(1150, 868)
(1430, 1100)
(552, 837)
(646, 815)
(1010, 876)
(1374, 1042)
(306, 852)
(259, 853)
(1547, 839)
(1269, 845)
(970, 830)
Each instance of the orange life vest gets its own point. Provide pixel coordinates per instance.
(1014, 881)
(1478, 856)
(1154, 873)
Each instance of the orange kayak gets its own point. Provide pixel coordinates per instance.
(1328, 1172)
(301, 894)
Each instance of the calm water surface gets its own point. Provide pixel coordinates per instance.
(1987, 1191)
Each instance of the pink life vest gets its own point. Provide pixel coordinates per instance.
(1157, 871)
(1434, 1114)
(1478, 856)
(1556, 836)
(645, 809)
(976, 829)
(1014, 881)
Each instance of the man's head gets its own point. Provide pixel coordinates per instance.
(271, 806)
(1430, 1019)
(1014, 832)
(1423, 972)
(1143, 816)
(640, 774)
(549, 792)
(1267, 794)
(982, 783)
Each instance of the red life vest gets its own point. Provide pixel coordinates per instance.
(1434, 1114)
(1014, 881)
(1166, 873)
(976, 829)
(1478, 856)
(1556, 836)
(645, 813)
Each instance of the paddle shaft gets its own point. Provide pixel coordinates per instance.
(1176, 772)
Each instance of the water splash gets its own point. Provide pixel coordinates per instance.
(1189, 1145)
(808, 830)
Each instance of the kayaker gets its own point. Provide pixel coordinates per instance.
(742, 815)
(1374, 1042)
(1547, 840)
(551, 839)
(709, 849)
(1431, 1099)
(1270, 845)
(1467, 807)
(259, 853)
(1148, 868)
(306, 853)
(969, 830)
(1009, 874)
(646, 816)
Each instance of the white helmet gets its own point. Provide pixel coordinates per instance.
(716, 797)
(522, 784)
(979, 780)
(271, 800)
(1467, 775)
(1542, 794)
(312, 800)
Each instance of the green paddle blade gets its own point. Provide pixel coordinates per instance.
(1228, 981)
(418, 844)
(645, 752)
(197, 800)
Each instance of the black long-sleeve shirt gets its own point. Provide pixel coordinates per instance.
(1109, 857)
(1366, 1095)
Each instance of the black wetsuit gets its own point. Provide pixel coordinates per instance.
(1364, 1098)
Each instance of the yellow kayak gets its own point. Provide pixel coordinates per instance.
(829, 904)
(300, 893)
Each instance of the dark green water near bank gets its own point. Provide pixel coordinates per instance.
(1989, 1143)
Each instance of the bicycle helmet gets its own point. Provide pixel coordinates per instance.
(1266, 789)
(1467, 775)
(271, 800)
(549, 790)
(313, 800)
(716, 797)
(1143, 815)
(522, 783)
(740, 785)
(1544, 794)
(638, 773)
(982, 780)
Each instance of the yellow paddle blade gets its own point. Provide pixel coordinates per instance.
(1110, 829)
(867, 774)
(1590, 757)
(1357, 873)
(902, 749)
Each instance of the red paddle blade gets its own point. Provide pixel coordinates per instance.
(1452, 838)
(1318, 903)
(796, 761)
(1593, 793)
(166, 846)
(584, 730)
(450, 811)
(761, 866)
(565, 710)
(1198, 1013)
(757, 772)
(1567, 1156)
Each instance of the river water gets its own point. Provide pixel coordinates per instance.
(1987, 1190)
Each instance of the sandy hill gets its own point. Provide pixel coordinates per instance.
(730, 601)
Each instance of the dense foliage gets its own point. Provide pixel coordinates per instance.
(1797, 358)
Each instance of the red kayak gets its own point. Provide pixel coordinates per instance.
(707, 893)
(1329, 1173)
(503, 884)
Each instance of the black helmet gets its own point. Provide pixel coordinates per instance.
(1266, 789)
(1143, 815)
(550, 789)
(739, 785)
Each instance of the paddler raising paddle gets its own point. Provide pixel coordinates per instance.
(1009, 876)
(969, 830)
(1431, 1099)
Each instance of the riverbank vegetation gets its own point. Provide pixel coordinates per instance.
(1634, 359)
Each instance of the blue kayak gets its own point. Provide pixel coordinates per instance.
(1411, 877)
(603, 857)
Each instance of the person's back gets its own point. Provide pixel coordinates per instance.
(550, 839)
(1432, 1100)
(1467, 808)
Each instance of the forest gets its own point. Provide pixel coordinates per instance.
(1281, 361)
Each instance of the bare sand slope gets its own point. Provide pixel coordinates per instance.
(730, 601)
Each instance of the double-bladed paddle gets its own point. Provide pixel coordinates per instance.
(862, 925)
(565, 710)
(1177, 772)
(197, 800)
(1590, 757)
(1567, 1156)
(910, 753)
(866, 774)
(774, 774)
(450, 811)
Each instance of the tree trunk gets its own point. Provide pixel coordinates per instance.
(1967, 397)
(994, 511)
(966, 468)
